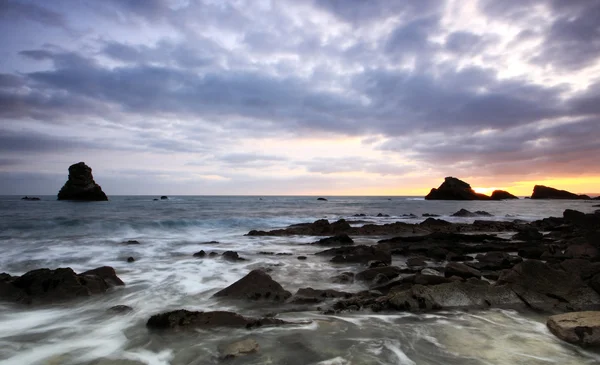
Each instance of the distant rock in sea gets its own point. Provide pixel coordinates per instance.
(164, 197)
(30, 198)
(545, 192)
(502, 195)
(455, 189)
(323, 199)
(81, 185)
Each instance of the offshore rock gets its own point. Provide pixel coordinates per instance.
(339, 240)
(455, 189)
(545, 192)
(81, 185)
(182, 318)
(257, 285)
(580, 328)
(502, 195)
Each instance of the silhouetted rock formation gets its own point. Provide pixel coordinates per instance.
(455, 189)
(502, 195)
(30, 198)
(545, 192)
(81, 185)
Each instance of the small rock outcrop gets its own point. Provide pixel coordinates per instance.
(580, 328)
(238, 348)
(454, 189)
(339, 240)
(502, 195)
(182, 318)
(257, 285)
(322, 199)
(465, 213)
(545, 192)
(30, 198)
(81, 185)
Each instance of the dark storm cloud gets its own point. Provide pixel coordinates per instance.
(33, 142)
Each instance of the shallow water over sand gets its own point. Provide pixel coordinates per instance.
(165, 276)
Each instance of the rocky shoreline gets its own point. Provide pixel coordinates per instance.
(550, 265)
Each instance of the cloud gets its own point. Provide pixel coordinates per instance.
(11, 10)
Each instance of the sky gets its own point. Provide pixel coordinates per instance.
(302, 97)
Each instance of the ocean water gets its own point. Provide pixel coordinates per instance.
(165, 276)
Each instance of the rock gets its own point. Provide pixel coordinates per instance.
(310, 295)
(155, 199)
(502, 195)
(200, 254)
(369, 275)
(451, 256)
(429, 271)
(580, 328)
(466, 213)
(81, 185)
(213, 254)
(380, 279)
(232, 256)
(581, 267)
(182, 318)
(545, 192)
(358, 254)
(130, 259)
(454, 189)
(341, 239)
(322, 199)
(386, 215)
(121, 309)
(302, 257)
(528, 234)
(416, 261)
(461, 270)
(430, 215)
(164, 197)
(531, 252)
(238, 348)
(30, 198)
(583, 251)
(257, 285)
(376, 263)
(132, 242)
(45, 286)
(594, 283)
(582, 220)
(343, 278)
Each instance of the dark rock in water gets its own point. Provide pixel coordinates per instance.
(164, 197)
(545, 192)
(182, 318)
(302, 257)
(580, 328)
(200, 254)
(528, 234)
(435, 222)
(132, 242)
(502, 195)
(257, 285)
(466, 213)
(81, 185)
(322, 199)
(461, 270)
(451, 256)
(376, 263)
(130, 259)
(44, 286)
(416, 261)
(343, 278)
(120, 309)
(213, 254)
(358, 254)
(310, 295)
(495, 261)
(30, 198)
(341, 239)
(531, 252)
(359, 215)
(455, 189)
(238, 348)
(232, 256)
(155, 199)
(369, 275)
(430, 215)
(317, 228)
(382, 215)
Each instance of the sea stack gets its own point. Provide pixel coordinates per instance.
(546, 192)
(455, 189)
(81, 185)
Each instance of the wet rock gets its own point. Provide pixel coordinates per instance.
(380, 215)
(302, 257)
(343, 278)
(200, 254)
(584, 251)
(182, 318)
(44, 286)
(120, 309)
(454, 189)
(430, 215)
(380, 279)
(322, 199)
(451, 256)
(585, 269)
(232, 256)
(466, 213)
(430, 271)
(416, 261)
(528, 234)
(357, 254)
(359, 215)
(131, 242)
(130, 259)
(30, 198)
(164, 197)
(339, 240)
(496, 260)
(502, 195)
(213, 254)
(545, 192)
(580, 328)
(257, 285)
(438, 253)
(369, 275)
(310, 295)
(238, 348)
(81, 185)
(376, 263)
(461, 270)
(531, 252)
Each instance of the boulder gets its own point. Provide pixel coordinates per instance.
(357, 254)
(545, 192)
(416, 261)
(238, 348)
(502, 195)
(182, 318)
(231, 256)
(534, 252)
(339, 240)
(461, 270)
(310, 295)
(81, 185)
(130, 259)
(343, 278)
(369, 275)
(45, 286)
(580, 328)
(164, 197)
(527, 234)
(257, 285)
(583, 251)
(200, 254)
(454, 189)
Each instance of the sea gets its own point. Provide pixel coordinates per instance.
(165, 276)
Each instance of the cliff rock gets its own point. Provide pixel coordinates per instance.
(545, 192)
(454, 189)
(81, 185)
